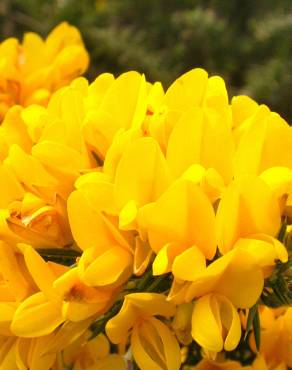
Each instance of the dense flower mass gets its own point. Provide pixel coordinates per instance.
(139, 225)
(32, 70)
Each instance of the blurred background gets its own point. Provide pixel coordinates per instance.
(247, 42)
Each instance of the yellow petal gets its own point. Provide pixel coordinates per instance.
(28, 169)
(112, 266)
(181, 95)
(118, 328)
(184, 215)
(60, 157)
(165, 257)
(242, 108)
(122, 140)
(10, 187)
(128, 216)
(184, 145)
(264, 249)
(7, 310)
(142, 256)
(247, 207)
(135, 306)
(126, 100)
(36, 316)
(189, 264)
(211, 314)
(39, 270)
(235, 275)
(249, 151)
(87, 225)
(143, 184)
(155, 347)
(11, 272)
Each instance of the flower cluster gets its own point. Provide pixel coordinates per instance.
(138, 224)
(32, 70)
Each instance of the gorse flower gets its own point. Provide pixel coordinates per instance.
(160, 219)
(33, 69)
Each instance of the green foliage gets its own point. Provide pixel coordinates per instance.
(247, 42)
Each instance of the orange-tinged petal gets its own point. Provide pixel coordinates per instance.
(9, 361)
(109, 363)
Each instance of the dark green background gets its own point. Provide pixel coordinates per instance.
(248, 42)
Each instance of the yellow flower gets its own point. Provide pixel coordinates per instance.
(136, 185)
(92, 355)
(265, 143)
(194, 140)
(248, 206)
(111, 105)
(30, 77)
(237, 275)
(215, 323)
(181, 218)
(58, 294)
(101, 240)
(152, 343)
(180, 98)
(38, 353)
(276, 337)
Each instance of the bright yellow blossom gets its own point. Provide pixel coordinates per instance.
(152, 343)
(30, 77)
